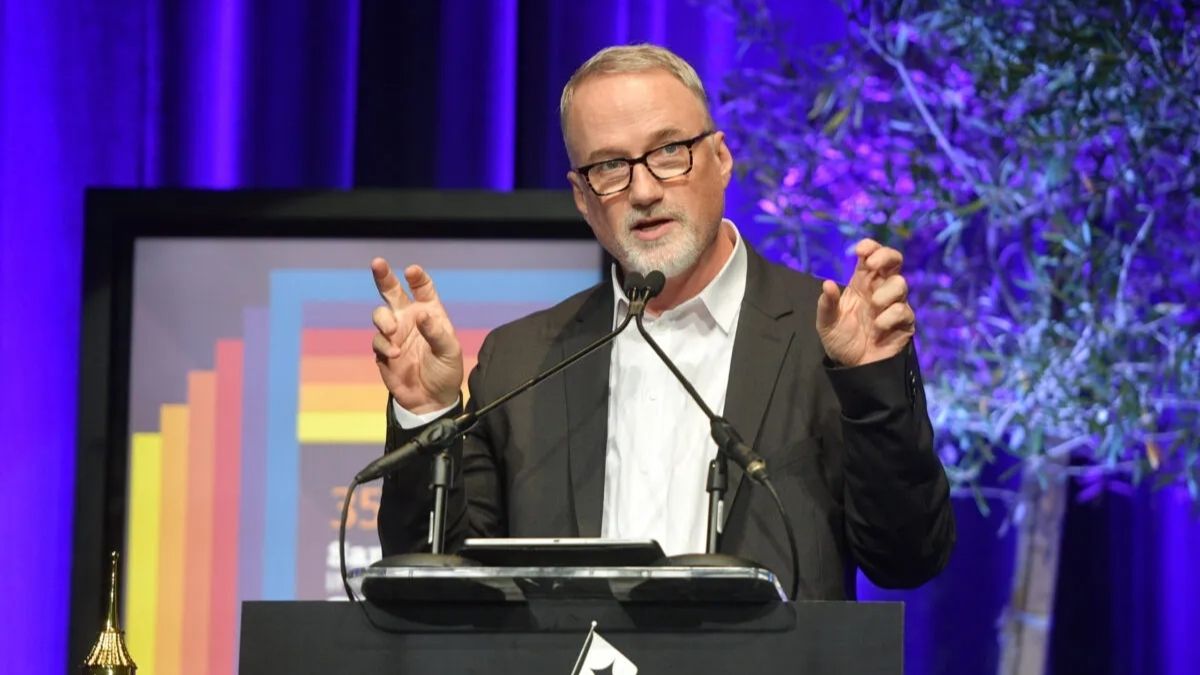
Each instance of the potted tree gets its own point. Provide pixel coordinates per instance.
(1037, 164)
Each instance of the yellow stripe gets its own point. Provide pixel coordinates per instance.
(342, 398)
(141, 558)
(341, 427)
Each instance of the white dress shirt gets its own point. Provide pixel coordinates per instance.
(658, 450)
(659, 447)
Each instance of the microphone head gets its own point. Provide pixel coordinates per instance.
(655, 281)
(633, 281)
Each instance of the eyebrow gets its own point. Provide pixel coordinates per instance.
(664, 135)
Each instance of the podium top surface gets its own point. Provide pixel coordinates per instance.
(741, 585)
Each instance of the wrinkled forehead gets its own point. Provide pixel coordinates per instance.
(625, 111)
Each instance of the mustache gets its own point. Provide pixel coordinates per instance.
(635, 215)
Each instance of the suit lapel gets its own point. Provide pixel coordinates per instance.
(585, 388)
(761, 344)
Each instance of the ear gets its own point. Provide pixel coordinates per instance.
(724, 158)
(579, 190)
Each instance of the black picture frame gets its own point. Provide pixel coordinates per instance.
(114, 219)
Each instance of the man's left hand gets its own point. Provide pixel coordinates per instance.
(871, 320)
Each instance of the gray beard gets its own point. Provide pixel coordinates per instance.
(673, 255)
(643, 259)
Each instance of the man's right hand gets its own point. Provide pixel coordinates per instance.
(416, 349)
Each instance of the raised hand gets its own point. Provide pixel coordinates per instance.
(871, 320)
(417, 352)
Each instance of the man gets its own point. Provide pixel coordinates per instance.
(822, 382)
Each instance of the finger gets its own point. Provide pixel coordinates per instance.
(383, 348)
(384, 318)
(388, 285)
(827, 305)
(860, 279)
(421, 284)
(438, 332)
(897, 317)
(865, 247)
(884, 260)
(891, 291)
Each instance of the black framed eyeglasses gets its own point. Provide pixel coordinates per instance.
(611, 176)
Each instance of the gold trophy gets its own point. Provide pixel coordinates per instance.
(109, 655)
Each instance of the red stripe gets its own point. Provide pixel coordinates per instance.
(336, 342)
(471, 339)
(227, 464)
(348, 342)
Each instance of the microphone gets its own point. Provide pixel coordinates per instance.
(638, 292)
(655, 282)
(438, 435)
(442, 433)
(641, 289)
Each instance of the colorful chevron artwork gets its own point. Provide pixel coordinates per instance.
(235, 495)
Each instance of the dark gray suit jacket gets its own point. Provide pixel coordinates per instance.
(849, 449)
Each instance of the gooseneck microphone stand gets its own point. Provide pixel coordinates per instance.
(436, 439)
(729, 446)
(716, 486)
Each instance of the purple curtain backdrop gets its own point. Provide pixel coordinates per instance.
(311, 93)
(198, 93)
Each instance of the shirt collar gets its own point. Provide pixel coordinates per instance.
(722, 297)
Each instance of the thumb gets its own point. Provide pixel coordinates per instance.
(827, 306)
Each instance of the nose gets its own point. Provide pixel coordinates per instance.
(644, 188)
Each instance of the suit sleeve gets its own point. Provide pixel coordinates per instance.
(475, 505)
(899, 520)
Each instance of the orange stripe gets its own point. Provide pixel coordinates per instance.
(198, 553)
(342, 397)
(335, 341)
(227, 466)
(339, 369)
(174, 425)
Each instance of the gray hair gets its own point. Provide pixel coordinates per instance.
(633, 59)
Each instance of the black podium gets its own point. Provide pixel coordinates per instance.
(674, 624)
